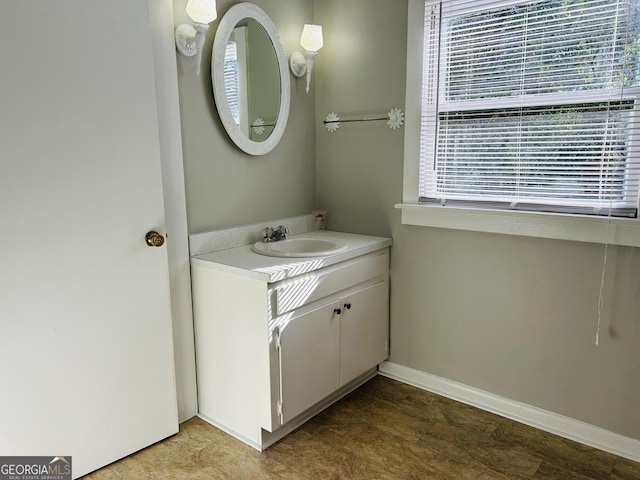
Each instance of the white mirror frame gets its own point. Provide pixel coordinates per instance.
(227, 24)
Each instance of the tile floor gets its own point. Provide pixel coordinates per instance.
(383, 430)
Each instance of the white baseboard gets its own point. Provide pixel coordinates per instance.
(521, 412)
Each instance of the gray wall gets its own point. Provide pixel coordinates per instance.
(511, 315)
(224, 186)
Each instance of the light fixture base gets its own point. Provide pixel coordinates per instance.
(298, 64)
(186, 40)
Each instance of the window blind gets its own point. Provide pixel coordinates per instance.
(231, 79)
(532, 105)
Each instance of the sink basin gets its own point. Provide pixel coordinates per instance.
(299, 247)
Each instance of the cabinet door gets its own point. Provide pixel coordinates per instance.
(309, 359)
(364, 331)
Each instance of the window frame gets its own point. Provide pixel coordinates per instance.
(612, 230)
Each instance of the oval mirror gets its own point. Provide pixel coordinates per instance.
(250, 76)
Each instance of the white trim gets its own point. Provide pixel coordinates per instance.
(615, 231)
(521, 412)
(413, 102)
(166, 76)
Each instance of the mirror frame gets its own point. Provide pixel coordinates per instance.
(228, 22)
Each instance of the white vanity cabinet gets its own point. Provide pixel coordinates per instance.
(271, 354)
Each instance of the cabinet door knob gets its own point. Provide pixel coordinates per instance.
(337, 311)
(347, 306)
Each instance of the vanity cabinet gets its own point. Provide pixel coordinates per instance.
(271, 354)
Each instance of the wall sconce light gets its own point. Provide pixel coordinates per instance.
(311, 41)
(190, 39)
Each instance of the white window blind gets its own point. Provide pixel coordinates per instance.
(532, 105)
(231, 79)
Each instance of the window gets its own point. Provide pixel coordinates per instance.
(231, 80)
(235, 77)
(531, 106)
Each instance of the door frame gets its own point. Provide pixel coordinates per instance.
(166, 74)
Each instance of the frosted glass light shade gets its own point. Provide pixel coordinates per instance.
(311, 39)
(202, 11)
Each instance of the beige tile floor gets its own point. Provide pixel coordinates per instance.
(383, 430)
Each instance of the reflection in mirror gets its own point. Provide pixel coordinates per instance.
(250, 79)
(235, 83)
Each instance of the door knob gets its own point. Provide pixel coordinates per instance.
(347, 306)
(154, 239)
(337, 311)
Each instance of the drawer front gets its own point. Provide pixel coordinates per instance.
(298, 291)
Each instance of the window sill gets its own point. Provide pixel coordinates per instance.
(620, 231)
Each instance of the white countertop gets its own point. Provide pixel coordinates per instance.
(243, 261)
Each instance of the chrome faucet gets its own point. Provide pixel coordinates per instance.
(270, 234)
(281, 232)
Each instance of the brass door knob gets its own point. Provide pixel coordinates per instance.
(154, 239)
